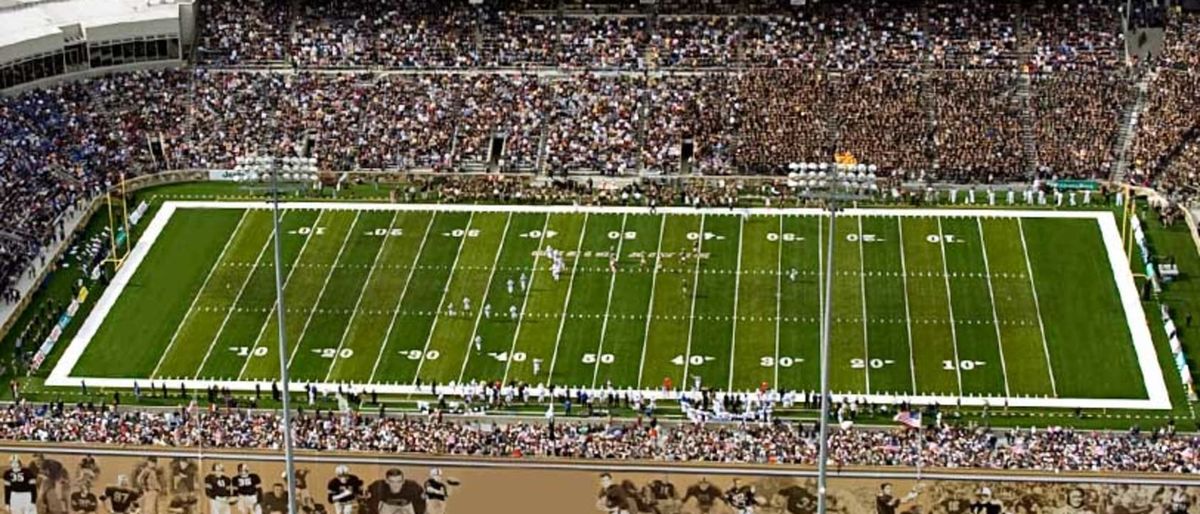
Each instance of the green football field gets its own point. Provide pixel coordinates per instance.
(1032, 307)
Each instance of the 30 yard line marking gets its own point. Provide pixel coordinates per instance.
(687, 359)
(737, 282)
(862, 283)
(525, 298)
(779, 298)
(324, 285)
(442, 303)
(949, 303)
(483, 301)
(562, 322)
(191, 308)
(1037, 307)
(361, 293)
(912, 365)
(400, 299)
(662, 227)
(267, 321)
(233, 307)
(987, 268)
(612, 282)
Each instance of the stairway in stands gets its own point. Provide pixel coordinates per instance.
(1028, 139)
(1129, 123)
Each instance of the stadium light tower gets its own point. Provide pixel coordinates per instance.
(295, 169)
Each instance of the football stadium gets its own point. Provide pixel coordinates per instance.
(621, 256)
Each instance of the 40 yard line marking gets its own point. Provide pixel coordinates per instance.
(567, 301)
(483, 301)
(862, 284)
(662, 227)
(737, 283)
(400, 299)
(324, 285)
(1037, 307)
(987, 269)
(612, 282)
(267, 321)
(949, 303)
(361, 293)
(687, 359)
(191, 308)
(912, 364)
(525, 299)
(442, 303)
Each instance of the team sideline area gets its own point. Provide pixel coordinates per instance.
(929, 306)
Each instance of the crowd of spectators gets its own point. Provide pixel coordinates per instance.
(1169, 130)
(1077, 118)
(937, 445)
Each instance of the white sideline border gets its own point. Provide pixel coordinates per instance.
(1158, 397)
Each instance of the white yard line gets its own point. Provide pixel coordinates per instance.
(949, 304)
(442, 303)
(233, 307)
(687, 355)
(361, 293)
(525, 299)
(400, 299)
(612, 282)
(196, 299)
(487, 289)
(987, 269)
(862, 282)
(737, 283)
(1037, 306)
(321, 294)
(912, 360)
(779, 299)
(566, 301)
(662, 228)
(274, 305)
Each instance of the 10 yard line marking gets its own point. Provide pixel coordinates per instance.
(949, 304)
(912, 365)
(233, 307)
(275, 304)
(567, 301)
(1037, 306)
(442, 303)
(211, 271)
(484, 301)
(662, 227)
(987, 268)
(737, 282)
(361, 293)
(862, 281)
(321, 293)
(525, 299)
(695, 289)
(608, 305)
(400, 299)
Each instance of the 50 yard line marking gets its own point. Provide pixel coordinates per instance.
(191, 308)
(912, 365)
(662, 227)
(400, 299)
(949, 303)
(441, 303)
(483, 301)
(862, 281)
(612, 282)
(567, 301)
(737, 283)
(525, 299)
(324, 285)
(987, 270)
(1037, 307)
(687, 359)
(361, 293)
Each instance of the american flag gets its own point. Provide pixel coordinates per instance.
(908, 419)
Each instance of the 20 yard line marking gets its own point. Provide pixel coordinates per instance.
(662, 227)
(324, 285)
(862, 284)
(612, 282)
(483, 301)
(400, 299)
(987, 268)
(191, 308)
(361, 293)
(525, 298)
(949, 303)
(1037, 307)
(687, 360)
(737, 282)
(442, 303)
(567, 301)
(912, 365)
(295, 266)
